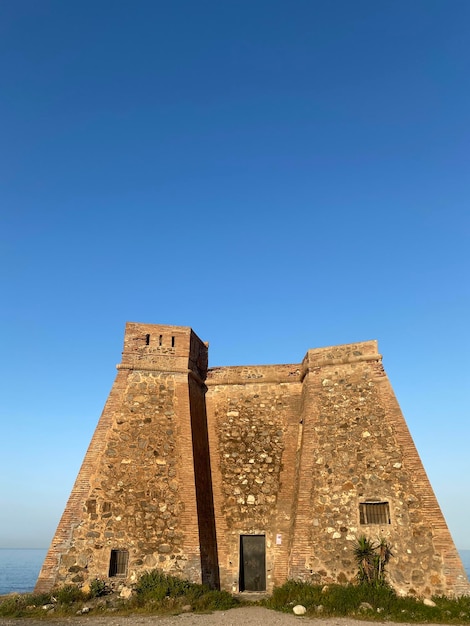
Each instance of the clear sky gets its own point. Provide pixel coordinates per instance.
(278, 175)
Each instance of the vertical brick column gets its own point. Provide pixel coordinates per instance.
(287, 495)
(301, 529)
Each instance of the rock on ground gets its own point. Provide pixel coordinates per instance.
(244, 616)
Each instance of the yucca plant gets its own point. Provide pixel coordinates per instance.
(371, 559)
(364, 554)
(383, 556)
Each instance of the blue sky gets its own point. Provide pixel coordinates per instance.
(277, 175)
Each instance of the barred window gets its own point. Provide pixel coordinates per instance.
(374, 513)
(118, 563)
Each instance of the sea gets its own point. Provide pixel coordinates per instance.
(19, 569)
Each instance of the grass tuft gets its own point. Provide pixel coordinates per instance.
(159, 593)
(371, 602)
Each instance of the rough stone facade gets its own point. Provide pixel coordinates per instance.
(243, 477)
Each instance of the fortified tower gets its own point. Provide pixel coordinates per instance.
(143, 496)
(243, 477)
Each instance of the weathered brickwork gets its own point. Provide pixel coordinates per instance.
(188, 465)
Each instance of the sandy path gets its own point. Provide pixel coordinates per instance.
(244, 616)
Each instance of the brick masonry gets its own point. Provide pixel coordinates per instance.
(186, 460)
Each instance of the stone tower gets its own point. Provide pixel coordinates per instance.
(143, 496)
(243, 477)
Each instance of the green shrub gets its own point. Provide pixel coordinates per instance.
(12, 606)
(343, 600)
(157, 585)
(214, 600)
(69, 594)
(20, 605)
(291, 593)
(98, 588)
(457, 609)
(372, 559)
(346, 600)
(39, 599)
(157, 590)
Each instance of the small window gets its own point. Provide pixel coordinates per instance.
(160, 340)
(147, 340)
(118, 563)
(374, 513)
(172, 342)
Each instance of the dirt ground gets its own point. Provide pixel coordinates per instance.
(244, 616)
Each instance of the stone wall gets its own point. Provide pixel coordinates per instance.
(253, 422)
(136, 490)
(355, 450)
(295, 450)
(186, 463)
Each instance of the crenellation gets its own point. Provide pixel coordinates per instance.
(191, 468)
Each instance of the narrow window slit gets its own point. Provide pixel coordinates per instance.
(147, 340)
(160, 340)
(172, 342)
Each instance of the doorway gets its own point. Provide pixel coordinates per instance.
(252, 563)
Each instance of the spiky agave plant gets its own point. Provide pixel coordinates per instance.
(364, 554)
(383, 556)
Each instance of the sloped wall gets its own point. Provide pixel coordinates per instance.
(184, 461)
(356, 449)
(136, 490)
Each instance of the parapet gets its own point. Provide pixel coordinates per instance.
(340, 355)
(161, 347)
(249, 374)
